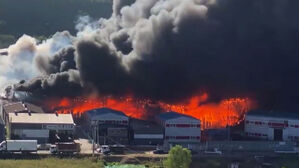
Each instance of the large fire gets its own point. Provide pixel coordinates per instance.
(227, 112)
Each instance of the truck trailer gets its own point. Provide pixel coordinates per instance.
(24, 146)
(65, 148)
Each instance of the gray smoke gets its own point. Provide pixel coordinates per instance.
(172, 49)
(119, 4)
(61, 61)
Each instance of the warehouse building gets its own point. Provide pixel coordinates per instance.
(2, 130)
(179, 128)
(219, 134)
(45, 128)
(19, 107)
(4, 52)
(268, 125)
(107, 126)
(145, 132)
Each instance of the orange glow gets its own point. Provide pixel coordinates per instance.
(227, 112)
(78, 106)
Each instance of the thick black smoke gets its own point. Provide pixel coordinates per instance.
(170, 50)
(62, 61)
(55, 85)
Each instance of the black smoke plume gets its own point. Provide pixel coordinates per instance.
(172, 49)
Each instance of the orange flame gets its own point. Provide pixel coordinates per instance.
(227, 112)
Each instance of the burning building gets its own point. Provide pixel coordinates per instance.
(180, 128)
(107, 126)
(204, 58)
(146, 132)
(266, 125)
(228, 112)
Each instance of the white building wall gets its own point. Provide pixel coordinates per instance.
(293, 130)
(182, 129)
(263, 127)
(35, 133)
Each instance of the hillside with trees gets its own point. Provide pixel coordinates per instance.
(42, 18)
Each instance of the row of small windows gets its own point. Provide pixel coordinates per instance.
(255, 134)
(272, 124)
(111, 121)
(184, 125)
(183, 137)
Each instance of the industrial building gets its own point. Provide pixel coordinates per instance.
(18, 107)
(45, 128)
(2, 130)
(267, 125)
(107, 126)
(216, 134)
(4, 52)
(179, 128)
(145, 132)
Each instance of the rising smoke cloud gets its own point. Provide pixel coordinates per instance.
(172, 49)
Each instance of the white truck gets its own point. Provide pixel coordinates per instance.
(24, 146)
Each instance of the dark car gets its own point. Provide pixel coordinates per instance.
(159, 151)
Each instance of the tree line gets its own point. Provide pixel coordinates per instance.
(42, 18)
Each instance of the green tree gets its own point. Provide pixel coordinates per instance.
(178, 157)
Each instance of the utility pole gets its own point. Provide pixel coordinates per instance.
(93, 131)
(98, 135)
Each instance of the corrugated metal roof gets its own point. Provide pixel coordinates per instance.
(274, 114)
(172, 115)
(40, 118)
(102, 111)
(22, 107)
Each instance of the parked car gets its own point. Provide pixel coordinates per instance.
(159, 151)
